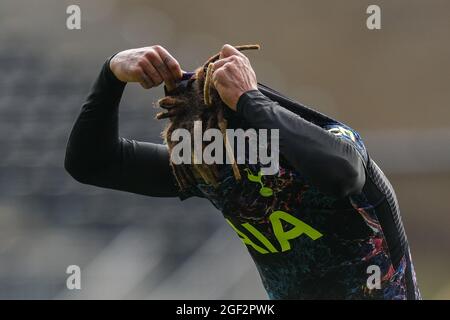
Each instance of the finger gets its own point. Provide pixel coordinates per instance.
(170, 62)
(159, 65)
(217, 76)
(221, 62)
(228, 50)
(146, 82)
(164, 73)
(151, 72)
(144, 85)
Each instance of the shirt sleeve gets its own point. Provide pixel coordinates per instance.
(96, 155)
(331, 162)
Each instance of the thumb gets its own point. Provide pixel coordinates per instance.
(227, 51)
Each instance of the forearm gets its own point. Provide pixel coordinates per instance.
(333, 165)
(96, 154)
(94, 139)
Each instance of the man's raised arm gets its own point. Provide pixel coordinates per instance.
(96, 154)
(332, 164)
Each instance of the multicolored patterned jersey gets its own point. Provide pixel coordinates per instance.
(326, 226)
(308, 244)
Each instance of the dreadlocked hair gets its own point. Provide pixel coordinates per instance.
(198, 101)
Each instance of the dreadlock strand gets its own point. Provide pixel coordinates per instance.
(187, 175)
(207, 86)
(170, 102)
(206, 169)
(223, 128)
(179, 176)
(239, 48)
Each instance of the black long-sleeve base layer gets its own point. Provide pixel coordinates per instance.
(342, 211)
(97, 155)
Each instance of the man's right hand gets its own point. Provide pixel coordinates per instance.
(150, 66)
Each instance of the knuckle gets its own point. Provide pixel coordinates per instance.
(240, 59)
(135, 70)
(141, 62)
(219, 73)
(229, 66)
(151, 54)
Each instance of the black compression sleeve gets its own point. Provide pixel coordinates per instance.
(332, 164)
(96, 154)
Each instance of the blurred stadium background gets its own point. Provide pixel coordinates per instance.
(391, 85)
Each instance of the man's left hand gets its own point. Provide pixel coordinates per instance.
(233, 76)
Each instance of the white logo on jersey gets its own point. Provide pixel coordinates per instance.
(341, 131)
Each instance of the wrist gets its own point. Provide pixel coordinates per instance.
(110, 67)
(236, 97)
(245, 99)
